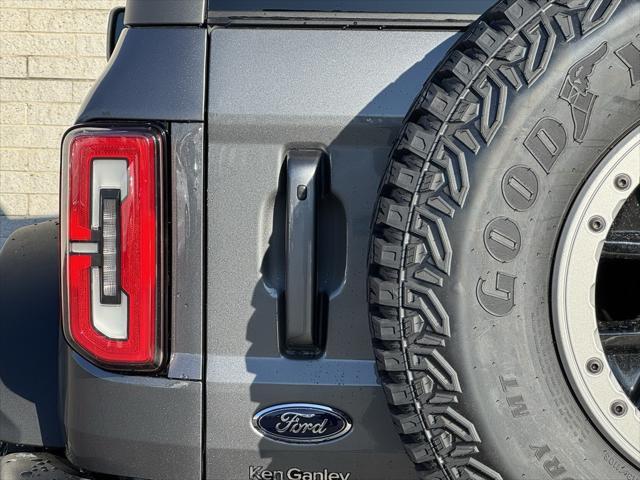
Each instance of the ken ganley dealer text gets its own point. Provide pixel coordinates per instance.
(260, 473)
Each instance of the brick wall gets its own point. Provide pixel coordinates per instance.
(51, 51)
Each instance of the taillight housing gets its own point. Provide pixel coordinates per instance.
(111, 237)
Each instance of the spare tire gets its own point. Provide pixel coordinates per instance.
(496, 148)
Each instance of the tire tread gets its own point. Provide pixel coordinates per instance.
(426, 182)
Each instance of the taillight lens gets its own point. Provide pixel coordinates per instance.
(111, 251)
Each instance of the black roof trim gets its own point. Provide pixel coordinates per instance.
(341, 19)
(364, 6)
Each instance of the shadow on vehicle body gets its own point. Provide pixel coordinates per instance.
(29, 323)
(360, 134)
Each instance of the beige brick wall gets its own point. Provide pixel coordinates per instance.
(51, 51)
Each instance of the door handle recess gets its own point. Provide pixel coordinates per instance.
(303, 330)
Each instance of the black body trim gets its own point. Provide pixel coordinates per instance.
(357, 20)
(29, 342)
(383, 7)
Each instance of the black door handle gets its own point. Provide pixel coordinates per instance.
(302, 326)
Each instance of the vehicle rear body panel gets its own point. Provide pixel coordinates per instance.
(143, 427)
(187, 252)
(137, 425)
(270, 89)
(155, 73)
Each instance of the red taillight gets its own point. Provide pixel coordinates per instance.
(110, 246)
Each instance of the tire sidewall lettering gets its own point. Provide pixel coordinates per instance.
(545, 142)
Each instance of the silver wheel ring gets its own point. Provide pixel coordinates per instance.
(573, 296)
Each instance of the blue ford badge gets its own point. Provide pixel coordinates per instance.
(302, 423)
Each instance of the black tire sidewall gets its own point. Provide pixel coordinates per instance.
(552, 437)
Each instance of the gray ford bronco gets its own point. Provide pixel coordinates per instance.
(338, 240)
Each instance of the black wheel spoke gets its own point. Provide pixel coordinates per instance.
(624, 245)
(634, 393)
(621, 336)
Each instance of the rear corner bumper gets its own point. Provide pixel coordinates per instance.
(132, 426)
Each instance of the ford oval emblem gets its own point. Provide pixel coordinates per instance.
(302, 423)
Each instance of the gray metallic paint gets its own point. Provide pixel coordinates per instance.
(268, 89)
(187, 262)
(147, 427)
(141, 426)
(165, 12)
(154, 73)
(138, 426)
(344, 90)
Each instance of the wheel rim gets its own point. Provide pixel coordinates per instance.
(583, 236)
